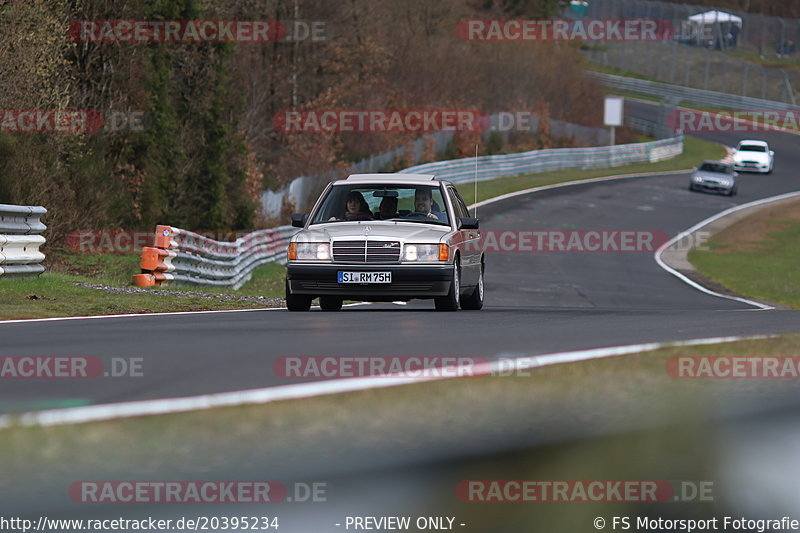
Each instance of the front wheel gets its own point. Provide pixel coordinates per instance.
(330, 303)
(450, 302)
(297, 302)
(474, 301)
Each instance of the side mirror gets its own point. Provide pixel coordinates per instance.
(771, 153)
(468, 223)
(299, 220)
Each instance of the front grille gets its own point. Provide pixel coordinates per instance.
(366, 251)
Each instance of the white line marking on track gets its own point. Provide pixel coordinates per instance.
(704, 223)
(96, 413)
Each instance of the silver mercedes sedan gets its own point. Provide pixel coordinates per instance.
(386, 237)
(714, 176)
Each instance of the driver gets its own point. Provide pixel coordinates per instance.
(423, 203)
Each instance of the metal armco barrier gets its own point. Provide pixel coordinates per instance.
(183, 256)
(700, 97)
(186, 257)
(20, 239)
(499, 166)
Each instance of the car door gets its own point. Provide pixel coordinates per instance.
(470, 241)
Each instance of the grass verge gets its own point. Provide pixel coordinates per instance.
(757, 256)
(549, 404)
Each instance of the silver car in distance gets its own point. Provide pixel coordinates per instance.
(714, 176)
(386, 237)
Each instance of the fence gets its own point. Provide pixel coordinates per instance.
(20, 239)
(182, 256)
(698, 97)
(718, 55)
(185, 257)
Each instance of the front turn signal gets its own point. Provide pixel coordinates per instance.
(444, 252)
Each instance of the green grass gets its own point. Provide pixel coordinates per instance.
(767, 269)
(55, 292)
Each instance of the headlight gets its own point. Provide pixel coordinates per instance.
(421, 252)
(310, 251)
(697, 178)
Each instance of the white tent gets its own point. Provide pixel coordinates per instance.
(710, 17)
(712, 29)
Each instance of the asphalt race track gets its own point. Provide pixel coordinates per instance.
(536, 303)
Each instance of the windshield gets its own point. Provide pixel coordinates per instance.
(752, 148)
(716, 167)
(360, 202)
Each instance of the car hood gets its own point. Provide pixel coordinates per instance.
(717, 177)
(374, 230)
(761, 157)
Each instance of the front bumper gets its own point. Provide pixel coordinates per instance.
(711, 187)
(745, 167)
(408, 281)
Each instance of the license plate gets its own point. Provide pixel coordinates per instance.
(365, 277)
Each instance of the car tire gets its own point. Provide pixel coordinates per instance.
(733, 192)
(330, 303)
(691, 187)
(474, 301)
(450, 302)
(297, 302)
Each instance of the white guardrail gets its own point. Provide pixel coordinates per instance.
(20, 239)
(183, 256)
(499, 166)
(186, 257)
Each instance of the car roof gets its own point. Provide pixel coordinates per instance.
(753, 141)
(393, 177)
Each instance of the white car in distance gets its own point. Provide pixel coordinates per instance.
(753, 156)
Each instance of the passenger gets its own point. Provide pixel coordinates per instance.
(388, 208)
(423, 203)
(357, 207)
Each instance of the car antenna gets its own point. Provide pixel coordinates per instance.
(475, 208)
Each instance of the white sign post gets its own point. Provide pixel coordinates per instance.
(613, 113)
